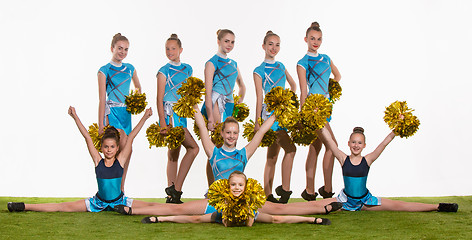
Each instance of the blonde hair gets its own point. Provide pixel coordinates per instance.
(222, 32)
(118, 37)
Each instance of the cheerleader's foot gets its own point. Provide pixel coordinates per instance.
(123, 209)
(322, 221)
(16, 206)
(309, 197)
(150, 220)
(174, 195)
(271, 198)
(325, 194)
(284, 195)
(448, 207)
(334, 206)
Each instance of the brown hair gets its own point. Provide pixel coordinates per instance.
(269, 34)
(118, 37)
(359, 130)
(229, 120)
(315, 26)
(222, 32)
(111, 133)
(174, 37)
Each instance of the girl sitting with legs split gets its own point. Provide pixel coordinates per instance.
(355, 196)
(108, 169)
(237, 184)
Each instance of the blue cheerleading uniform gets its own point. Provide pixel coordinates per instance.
(224, 78)
(318, 70)
(118, 79)
(223, 162)
(355, 193)
(176, 74)
(272, 75)
(109, 188)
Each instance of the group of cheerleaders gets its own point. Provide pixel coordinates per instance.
(225, 162)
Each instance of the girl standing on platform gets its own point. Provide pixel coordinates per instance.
(169, 79)
(221, 74)
(109, 171)
(113, 86)
(355, 196)
(314, 70)
(268, 75)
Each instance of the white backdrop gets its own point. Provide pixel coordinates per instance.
(418, 51)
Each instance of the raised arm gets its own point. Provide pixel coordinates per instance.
(241, 86)
(126, 151)
(209, 73)
(301, 72)
(208, 145)
(256, 140)
(328, 140)
(88, 140)
(259, 99)
(102, 98)
(136, 82)
(371, 157)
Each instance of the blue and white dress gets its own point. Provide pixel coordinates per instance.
(224, 161)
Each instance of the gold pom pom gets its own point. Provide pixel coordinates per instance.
(154, 137)
(335, 90)
(284, 103)
(241, 110)
(302, 135)
(175, 137)
(401, 120)
(236, 210)
(96, 138)
(215, 135)
(315, 111)
(269, 137)
(135, 102)
(191, 93)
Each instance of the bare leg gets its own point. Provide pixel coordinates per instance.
(328, 163)
(187, 161)
(77, 206)
(395, 205)
(266, 218)
(187, 219)
(286, 143)
(196, 207)
(172, 162)
(297, 208)
(310, 167)
(269, 170)
(210, 177)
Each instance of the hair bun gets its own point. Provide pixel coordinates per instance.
(218, 32)
(173, 35)
(315, 24)
(358, 130)
(269, 32)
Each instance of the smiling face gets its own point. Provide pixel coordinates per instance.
(120, 51)
(314, 40)
(230, 134)
(226, 43)
(173, 50)
(237, 184)
(271, 47)
(356, 143)
(109, 148)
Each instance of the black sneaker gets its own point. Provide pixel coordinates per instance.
(16, 206)
(122, 209)
(325, 194)
(309, 197)
(174, 195)
(448, 207)
(284, 195)
(271, 198)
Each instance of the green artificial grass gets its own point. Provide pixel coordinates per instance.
(345, 225)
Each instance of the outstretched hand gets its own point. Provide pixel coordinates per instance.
(148, 113)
